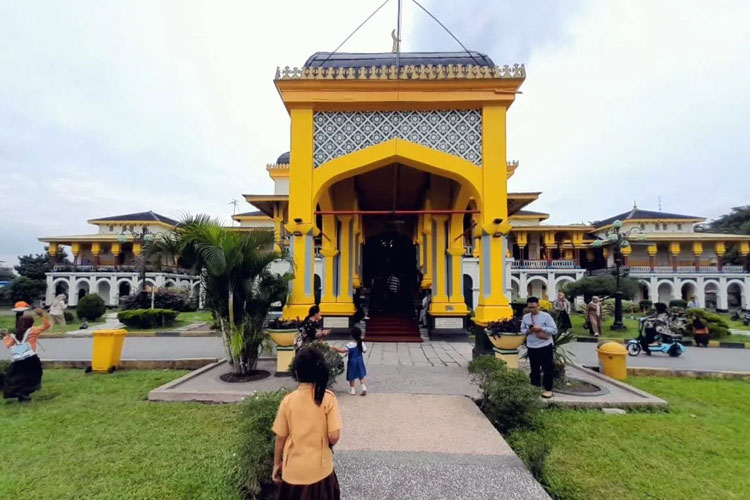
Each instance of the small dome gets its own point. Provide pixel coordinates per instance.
(283, 159)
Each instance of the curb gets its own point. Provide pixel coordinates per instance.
(134, 335)
(687, 343)
(136, 364)
(667, 372)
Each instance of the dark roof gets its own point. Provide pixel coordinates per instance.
(254, 212)
(368, 59)
(149, 216)
(283, 159)
(637, 213)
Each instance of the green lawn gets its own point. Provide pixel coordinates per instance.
(96, 436)
(631, 323)
(697, 450)
(8, 320)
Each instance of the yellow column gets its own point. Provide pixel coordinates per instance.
(329, 253)
(522, 239)
(439, 278)
(356, 278)
(52, 250)
(674, 250)
(744, 252)
(301, 220)
(136, 249)
(278, 220)
(476, 236)
(344, 302)
(455, 253)
(96, 249)
(652, 250)
(427, 231)
(493, 304)
(697, 252)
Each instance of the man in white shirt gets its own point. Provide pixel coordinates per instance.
(539, 328)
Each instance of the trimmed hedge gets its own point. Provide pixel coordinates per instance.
(252, 470)
(147, 318)
(717, 326)
(177, 299)
(90, 307)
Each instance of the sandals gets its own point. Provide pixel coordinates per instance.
(547, 394)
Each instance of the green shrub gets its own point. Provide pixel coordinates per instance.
(177, 299)
(645, 305)
(682, 304)
(252, 470)
(508, 399)
(68, 316)
(717, 326)
(90, 307)
(533, 449)
(628, 306)
(147, 318)
(334, 362)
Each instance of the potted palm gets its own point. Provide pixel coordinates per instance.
(506, 338)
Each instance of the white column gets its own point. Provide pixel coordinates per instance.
(722, 298)
(677, 288)
(551, 286)
(50, 295)
(114, 291)
(654, 290)
(72, 292)
(522, 285)
(701, 291)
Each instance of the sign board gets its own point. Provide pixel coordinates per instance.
(449, 323)
(336, 322)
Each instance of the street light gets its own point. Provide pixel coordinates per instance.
(619, 240)
(138, 237)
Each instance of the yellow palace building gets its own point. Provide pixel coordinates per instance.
(397, 171)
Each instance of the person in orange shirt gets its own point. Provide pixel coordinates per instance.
(24, 374)
(307, 426)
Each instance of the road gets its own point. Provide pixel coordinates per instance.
(716, 359)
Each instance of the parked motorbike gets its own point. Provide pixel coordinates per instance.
(746, 318)
(655, 335)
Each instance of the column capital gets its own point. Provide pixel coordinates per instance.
(440, 217)
(455, 251)
(344, 218)
(329, 252)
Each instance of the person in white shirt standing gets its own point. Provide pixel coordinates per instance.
(540, 328)
(57, 312)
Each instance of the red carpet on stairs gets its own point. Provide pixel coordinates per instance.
(392, 329)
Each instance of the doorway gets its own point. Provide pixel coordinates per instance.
(390, 272)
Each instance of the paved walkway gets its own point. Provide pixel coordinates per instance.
(426, 447)
(445, 354)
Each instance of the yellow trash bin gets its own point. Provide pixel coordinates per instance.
(107, 350)
(613, 360)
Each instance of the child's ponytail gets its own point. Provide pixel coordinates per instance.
(356, 334)
(310, 367)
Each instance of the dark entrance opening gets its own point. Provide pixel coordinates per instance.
(390, 272)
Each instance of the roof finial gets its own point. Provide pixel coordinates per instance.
(659, 203)
(635, 206)
(395, 42)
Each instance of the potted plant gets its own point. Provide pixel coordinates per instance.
(283, 331)
(505, 334)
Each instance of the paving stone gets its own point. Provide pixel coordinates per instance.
(614, 411)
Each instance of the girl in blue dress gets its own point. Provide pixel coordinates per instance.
(355, 365)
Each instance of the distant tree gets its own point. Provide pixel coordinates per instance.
(36, 266)
(735, 222)
(26, 289)
(6, 275)
(601, 286)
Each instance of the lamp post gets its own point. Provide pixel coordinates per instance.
(619, 240)
(140, 238)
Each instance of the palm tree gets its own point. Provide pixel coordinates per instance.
(240, 287)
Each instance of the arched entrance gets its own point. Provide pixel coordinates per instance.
(390, 272)
(688, 290)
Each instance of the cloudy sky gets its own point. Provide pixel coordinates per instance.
(110, 107)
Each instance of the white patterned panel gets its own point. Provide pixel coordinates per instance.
(457, 132)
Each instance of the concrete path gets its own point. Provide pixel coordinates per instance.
(425, 447)
(694, 358)
(444, 354)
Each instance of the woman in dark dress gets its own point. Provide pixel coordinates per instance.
(311, 329)
(24, 375)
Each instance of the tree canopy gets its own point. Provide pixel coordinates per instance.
(735, 222)
(600, 286)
